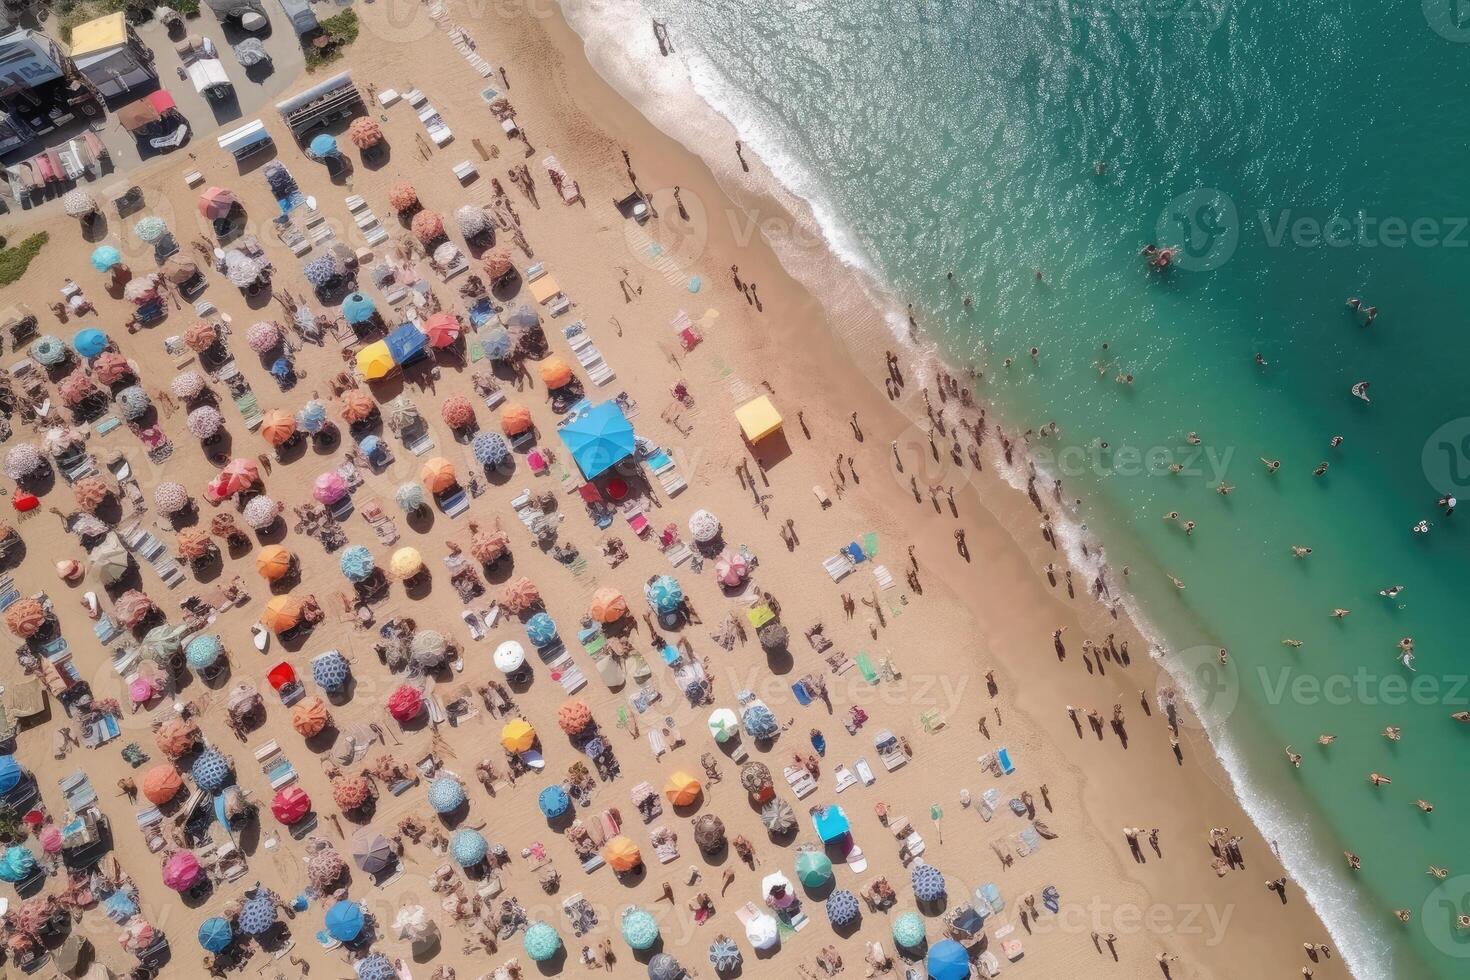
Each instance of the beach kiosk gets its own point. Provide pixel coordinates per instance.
(758, 418)
(109, 54)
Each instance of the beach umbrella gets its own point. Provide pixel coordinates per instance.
(110, 367)
(761, 931)
(927, 881)
(216, 202)
(371, 851)
(312, 417)
(709, 833)
(321, 271)
(908, 930)
(405, 703)
(759, 723)
(704, 526)
(541, 629)
(409, 496)
(403, 414)
(553, 802)
(324, 868)
(187, 385)
(842, 908)
(522, 317)
(574, 717)
(364, 132)
(215, 934)
(471, 221)
(639, 927)
(438, 475)
(468, 848)
(257, 915)
(22, 460)
(24, 617)
(273, 562)
(161, 784)
(344, 921)
(239, 474)
(442, 329)
(278, 426)
(262, 336)
(329, 487)
(351, 792)
(357, 563)
(813, 868)
(427, 226)
(211, 771)
(497, 263)
(598, 439)
(515, 419)
(204, 421)
(133, 402)
(509, 657)
(663, 966)
(142, 690)
(79, 204)
(281, 613)
(665, 594)
(170, 497)
(376, 967)
(150, 229)
(357, 308)
(519, 595)
(291, 805)
(608, 605)
(310, 716)
(402, 197)
(76, 388)
(724, 724)
(175, 737)
(132, 607)
(773, 636)
(682, 789)
(518, 736)
(541, 942)
(90, 492)
(446, 794)
(357, 406)
(49, 350)
(89, 342)
(947, 960)
(261, 512)
(488, 548)
(621, 854)
(163, 642)
(457, 412)
(405, 563)
(17, 863)
(330, 670)
(497, 343)
(446, 254)
(181, 871)
(730, 568)
(489, 449)
(141, 290)
(725, 955)
(323, 145)
(429, 648)
(555, 373)
(179, 270)
(250, 52)
(104, 257)
(241, 269)
(204, 650)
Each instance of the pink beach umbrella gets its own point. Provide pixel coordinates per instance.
(329, 488)
(181, 871)
(51, 839)
(141, 690)
(730, 568)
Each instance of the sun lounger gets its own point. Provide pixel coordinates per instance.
(932, 720)
(1003, 758)
(844, 778)
(838, 567)
(864, 771)
(883, 577)
(419, 441)
(865, 666)
(800, 781)
(890, 753)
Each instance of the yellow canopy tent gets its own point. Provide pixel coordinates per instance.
(375, 361)
(544, 288)
(758, 418)
(99, 35)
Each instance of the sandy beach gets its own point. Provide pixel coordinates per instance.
(991, 611)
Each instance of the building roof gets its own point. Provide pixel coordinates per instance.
(100, 34)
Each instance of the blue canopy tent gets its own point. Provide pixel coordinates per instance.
(598, 439)
(948, 961)
(830, 823)
(406, 343)
(344, 921)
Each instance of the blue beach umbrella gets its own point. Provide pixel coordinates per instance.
(120, 906)
(104, 257)
(344, 921)
(665, 594)
(842, 908)
(541, 629)
(553, 802)
(497, 344)
(16, 863)
(211, 772)
(312, 417)
(908, 930)
(759, 722)
(489, 449)
(928, 882)
(371, 446)
(357, 563)
(203, 650)
(89, 342)
(10, 773)
(598, 439)
(281, 369)
(468, 848)
(215, 934)
(49, 350)
(376, 967)
(257, 915)
(330, 670)
(358, 308)
(445, 794)
(948, 960)
(323, 145)
(639, 927)
(541, 942)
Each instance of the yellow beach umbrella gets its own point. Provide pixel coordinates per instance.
(375, 361)
(682, 789)
(405, 563)
(518, 736)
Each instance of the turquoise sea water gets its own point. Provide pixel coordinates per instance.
(964, 136)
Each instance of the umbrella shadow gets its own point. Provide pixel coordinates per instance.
(551, 967)
(421, 520)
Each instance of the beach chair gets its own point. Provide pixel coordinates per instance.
(455, 504)
(890, 753)
(838, 567)
(864, 771)
(800, 781)
(883, 577)
(932, 720)
(865, 666)
(1003, 759)
(843, 777)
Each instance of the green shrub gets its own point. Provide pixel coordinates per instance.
(338, 32)
(14, 261)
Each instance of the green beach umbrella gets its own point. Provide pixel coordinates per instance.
(813, 868)
(640, 928)
(541, 942)
(908, 930)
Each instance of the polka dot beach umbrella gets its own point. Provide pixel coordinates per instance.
(261, 512)
(324, 868)
(204, 650)
(541, 942)
(104, 257)
(187, 385)
(357, 563)
(409, 496)
(25, 617)
(842, 908)
(468, 848)
(150, 229)
(204, 422)
(49, 350)
(110, 367)
(704, 526)
(21, 460)
(90, 492)
(170, 497)
(541, 629)
(241, 269)
(216, 934)
(457, 412)
(133, 402)
(313, 416)
(181, 871)
(257, 915)
(908, 930)
(200, 337)
(639, 927)
(321, 271)
(211, 771)
(329, 487)
(330, 670)
(759, 723)
(471, 221)
(489, 449)
(497, 263)
(429, 649)
(402, 197)
(364, 132)
(262, 336)
(376, 967)
(350, 792)
(446, 794)
(405, 703)
(553, 802)
(89, 342)
(79, 204)
(497, 344)
(927, 881)
(665, 594)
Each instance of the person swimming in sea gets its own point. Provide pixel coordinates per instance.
(1378, 779)
(1295, 758)
(1224, 489)
(1448, 503)
(1392, 592)
(1320, 469)
(1340, 613)
(1354, 862)
(1360, 390)
(1393, 733)
(1300, 551)
(1272, 465)
(1326, 739)
(1335, 441)
(1424, 805)
(1294, 644)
